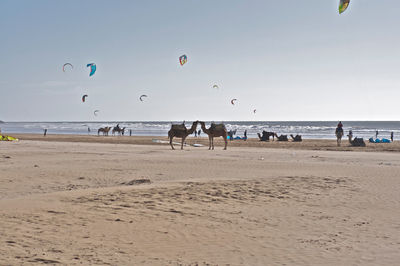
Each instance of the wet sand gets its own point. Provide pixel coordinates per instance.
(108, 200)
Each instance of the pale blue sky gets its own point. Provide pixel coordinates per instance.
(289, 59)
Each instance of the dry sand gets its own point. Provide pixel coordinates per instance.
(76, 202)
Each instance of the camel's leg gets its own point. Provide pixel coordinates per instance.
(212, 142)
(170, 142)
(183, 140)
(209, 142)
(226, 142)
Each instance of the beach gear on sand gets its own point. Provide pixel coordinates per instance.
(371, 140)
(7, 138)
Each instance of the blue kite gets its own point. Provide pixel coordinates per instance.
(92, 68)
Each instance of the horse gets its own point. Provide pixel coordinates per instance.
(104, 130)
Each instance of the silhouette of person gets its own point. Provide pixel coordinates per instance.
(391, 136)
(45, 132)
(198, 133)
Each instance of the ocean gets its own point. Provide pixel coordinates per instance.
(308, 129)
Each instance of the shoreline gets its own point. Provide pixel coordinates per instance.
(306, 144)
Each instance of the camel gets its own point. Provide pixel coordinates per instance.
(339, 135)
(104, 130)
(356, 142)
(281, 137)
(265, 135)
(180, 131)
(297, 138)
(215, 130)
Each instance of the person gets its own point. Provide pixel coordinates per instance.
(391, 136)
(45, 132)
(376, 134)
(198, 133)
(339, 127)
(130, 132)
(245, 134)
(88, 130)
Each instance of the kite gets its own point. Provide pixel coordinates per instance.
(343, 4)
(215, 86)
(183, 60)
(67, 64)
(92, 68)
(233, 101)
(140, 98)
(95, 112)
(84, 97)
(254, 111)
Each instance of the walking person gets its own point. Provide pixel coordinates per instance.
(391, 136)
(245, 134)
(45, 132)
(376, 134)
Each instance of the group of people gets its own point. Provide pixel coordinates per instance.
(339, 129)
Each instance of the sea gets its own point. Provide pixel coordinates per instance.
(308, 129)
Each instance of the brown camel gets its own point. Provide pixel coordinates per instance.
(357, 142)
(296, 138)
(104, 130)
(281, 137)
(215, 130)
(180, 131)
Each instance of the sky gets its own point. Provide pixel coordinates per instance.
(288, 59)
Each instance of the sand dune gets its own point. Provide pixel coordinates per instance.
(118, 204)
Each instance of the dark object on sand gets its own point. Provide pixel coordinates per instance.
(45, 132)
(297, 138)
(356, 142)
(265, 135)
(281, 137)
(136, 182)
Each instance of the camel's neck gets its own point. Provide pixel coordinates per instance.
(205, 130)
(192, 129)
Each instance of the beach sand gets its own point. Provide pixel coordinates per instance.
(90, 200)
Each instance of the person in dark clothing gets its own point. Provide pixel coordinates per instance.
(376, 134)
(391, 136)
(130, 132)
(245, 134)
(198, 133)
(45, 132)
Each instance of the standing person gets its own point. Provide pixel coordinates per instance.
(245, 134)
(198, 133)
(130, 132)
(391, 136)
(376, 134)
(88, 130)
(45, 132)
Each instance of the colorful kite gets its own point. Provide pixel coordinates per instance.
(84, 97)
(254, 111)
(215, 86)
(92, 68)
(343, 4)
(95, 112)
(183, 60)
(233, 101)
